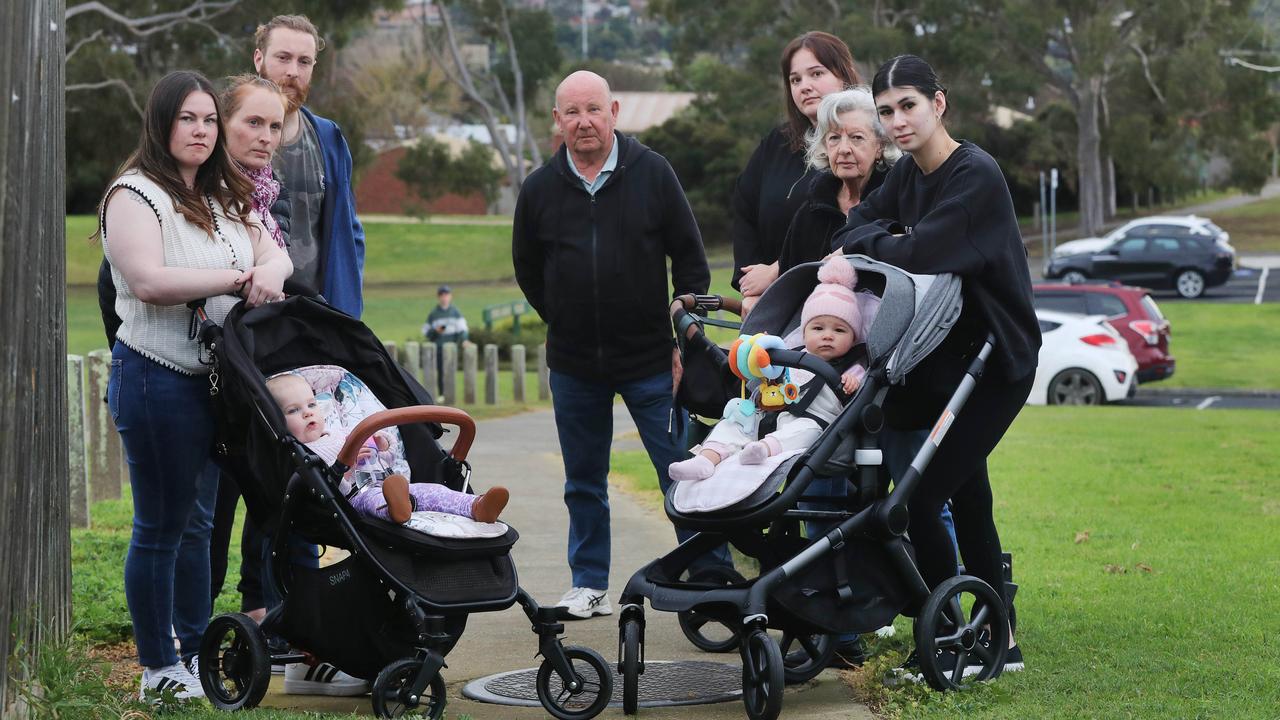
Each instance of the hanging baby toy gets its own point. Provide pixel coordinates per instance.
(749, 359)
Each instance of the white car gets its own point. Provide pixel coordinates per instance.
(1154, 225)
(1083, 361)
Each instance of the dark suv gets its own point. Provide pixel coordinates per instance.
(1129, 310)
(1183, 261)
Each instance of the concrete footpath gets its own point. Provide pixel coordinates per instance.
(522, 453)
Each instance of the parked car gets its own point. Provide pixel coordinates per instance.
(1148, 227)
(1083, 361)
(1184, 261)
(1130, 310)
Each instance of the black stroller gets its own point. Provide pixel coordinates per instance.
(860, 573)
(393, 609)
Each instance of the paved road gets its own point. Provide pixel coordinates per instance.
(1204, 399)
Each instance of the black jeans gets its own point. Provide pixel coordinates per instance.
(958, 472)
(252, 543)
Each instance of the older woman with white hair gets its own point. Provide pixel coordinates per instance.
(852, 151)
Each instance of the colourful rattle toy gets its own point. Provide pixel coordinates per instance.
(749, 358)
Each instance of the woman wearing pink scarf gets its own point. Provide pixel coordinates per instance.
(254, 107)
(254, 117)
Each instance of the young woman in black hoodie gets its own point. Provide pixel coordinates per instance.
(947, 209)
(776, 180)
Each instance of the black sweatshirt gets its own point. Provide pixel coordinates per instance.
(765, 198)
(958, 219)
(818, 219)
(595, 268)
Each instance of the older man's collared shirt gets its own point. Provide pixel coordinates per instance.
(610, 164)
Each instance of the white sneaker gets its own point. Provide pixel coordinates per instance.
(321, 679)
(193, 666)
(887, 631)
(174, 680)
(581, 603)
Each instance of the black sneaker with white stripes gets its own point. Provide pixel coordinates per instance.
(321, 679)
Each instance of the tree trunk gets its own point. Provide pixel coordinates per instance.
(35, 565)
(1109, 185)
(1089, 152)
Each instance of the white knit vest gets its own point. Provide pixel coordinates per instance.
(163, 332)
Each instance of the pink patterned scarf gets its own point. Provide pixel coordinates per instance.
(265, 191)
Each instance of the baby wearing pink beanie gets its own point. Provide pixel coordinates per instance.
(830, 320)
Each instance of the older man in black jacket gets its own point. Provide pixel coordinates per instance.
(593, 229)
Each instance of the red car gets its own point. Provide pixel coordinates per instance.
(1130, 310)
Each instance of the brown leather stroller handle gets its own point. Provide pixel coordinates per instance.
(405, 416)
(688, 302)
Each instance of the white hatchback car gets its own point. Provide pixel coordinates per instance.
(1083, 361)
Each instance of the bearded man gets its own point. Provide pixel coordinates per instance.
(313, 165)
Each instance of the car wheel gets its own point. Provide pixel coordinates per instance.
(1189, 284)
(1075, 386)
(1074, 277)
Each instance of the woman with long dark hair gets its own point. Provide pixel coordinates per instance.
(775, 182)
(946, 209)
(177, 225)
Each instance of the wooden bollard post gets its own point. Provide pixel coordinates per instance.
(469, 359)
(79, 485)
(517, 373)
(490, 374)
(449, 372)
(413, 359)
(544, 375)
(430, 378)
(390, 347)
(103, 445)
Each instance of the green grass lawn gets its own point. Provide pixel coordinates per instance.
(1254, 227)
(1221, 345)
(1144, 542)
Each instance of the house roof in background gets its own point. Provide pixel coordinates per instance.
(639, 111)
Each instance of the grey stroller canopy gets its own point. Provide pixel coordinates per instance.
(916, 311)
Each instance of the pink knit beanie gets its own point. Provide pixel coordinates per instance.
(834, 295)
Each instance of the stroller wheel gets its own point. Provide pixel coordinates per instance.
(762, 676)
(962, 634)
(391, 698)
(235, 667)
(631, 642)
(586, 695)
(706, 633)
(805, 655)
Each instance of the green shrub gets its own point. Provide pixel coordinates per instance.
(533, 332)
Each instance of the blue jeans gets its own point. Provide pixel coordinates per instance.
(166, 425)
(584, 423)
(900, 448)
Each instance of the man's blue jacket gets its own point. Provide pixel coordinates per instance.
(343, 263)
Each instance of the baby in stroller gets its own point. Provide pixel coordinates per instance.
(832, 325)
(385, 496)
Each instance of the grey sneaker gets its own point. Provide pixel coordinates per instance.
(581, 603)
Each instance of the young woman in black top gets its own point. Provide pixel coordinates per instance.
(776, 180)
(947, 209)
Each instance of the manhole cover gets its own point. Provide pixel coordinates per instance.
(682, 682)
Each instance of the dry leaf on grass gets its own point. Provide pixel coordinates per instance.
(1115, 569)
(1144, 567)
(1082, 536)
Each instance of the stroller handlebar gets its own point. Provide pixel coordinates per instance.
(405, 416)
(689, 303)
